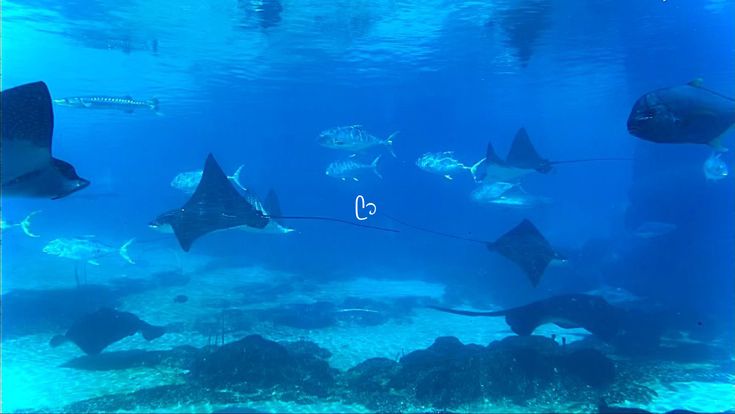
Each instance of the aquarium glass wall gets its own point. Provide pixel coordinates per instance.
(389, 206)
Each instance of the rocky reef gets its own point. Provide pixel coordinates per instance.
(447, 375)
(450, 374)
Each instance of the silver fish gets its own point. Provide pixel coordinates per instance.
(488, 172)
(521, 200)
(85, 250)
(488, 192)
(353, 138)
(24, 225)
(189, 180)
(714, 168)
(653, 229)
(122, 103)
(442, 163)
(351, 169)
(507, 194)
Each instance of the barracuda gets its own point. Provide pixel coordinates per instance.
(123, 103)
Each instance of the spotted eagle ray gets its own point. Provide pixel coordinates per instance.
(522, 160)
(28, 168)
(96, 331)
(590, 312)
(216, 205)
(523, 245)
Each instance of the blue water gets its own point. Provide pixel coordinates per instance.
(256, 89)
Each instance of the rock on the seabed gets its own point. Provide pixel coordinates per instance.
(255, 363)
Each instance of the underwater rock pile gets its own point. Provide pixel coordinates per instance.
(450, 374)
(250, 369)
(445, 376)
(254, 363)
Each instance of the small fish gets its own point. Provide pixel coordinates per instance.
(350, 169)
(682, 114)
(488, 192)
(520, 200)
(122, 103)
(653, 229)
(442, 163)
(181, 299)
(25, 225)
(714, 168)
(84, 249)
(353, 138)
(507, 194)
(188, 181)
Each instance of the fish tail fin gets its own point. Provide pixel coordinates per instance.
(477, 172)
(151, 332)
(389, 143)
(57, 340)
(374, 166)
(236, 177)
(466, 313)
(26, 224)
(124, 251)
(154, 104)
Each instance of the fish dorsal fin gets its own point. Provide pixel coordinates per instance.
(526, 246)
(522, 153)
(215, 205)
(272, 205)
(699, 83)
(491, 156)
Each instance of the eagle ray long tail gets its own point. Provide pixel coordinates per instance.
(435, 232)
(590, 160)
(335, 220)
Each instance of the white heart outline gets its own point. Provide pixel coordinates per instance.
(360, 204)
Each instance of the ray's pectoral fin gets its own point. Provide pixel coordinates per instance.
(523, 154)
(28, 169)
(58, 340)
